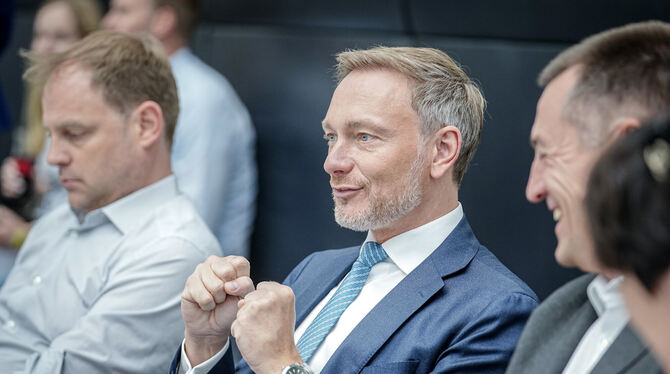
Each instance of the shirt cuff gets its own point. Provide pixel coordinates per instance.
(203, 368)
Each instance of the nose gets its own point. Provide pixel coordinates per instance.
(57, 156)
(338, 161)
(535, 189)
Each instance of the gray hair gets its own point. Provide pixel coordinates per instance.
(442, 93)
(623, 72)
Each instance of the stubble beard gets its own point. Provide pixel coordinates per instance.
(383, 211)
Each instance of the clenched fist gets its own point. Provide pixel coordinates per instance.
(264, 326)
(209, 304)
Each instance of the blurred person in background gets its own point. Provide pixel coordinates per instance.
(628, 205)
(213, 152)
(29, 186)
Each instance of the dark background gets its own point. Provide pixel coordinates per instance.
(279, 57)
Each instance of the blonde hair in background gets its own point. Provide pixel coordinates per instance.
(443, 95)
(87, 14)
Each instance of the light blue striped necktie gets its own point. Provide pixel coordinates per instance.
(349, 289)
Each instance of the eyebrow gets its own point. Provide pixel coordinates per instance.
(355, 125)
(67, 124)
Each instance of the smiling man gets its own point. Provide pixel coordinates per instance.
(595, 92)
(421, 294)
(95, 287)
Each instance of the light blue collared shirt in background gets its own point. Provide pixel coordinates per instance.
(213, 151)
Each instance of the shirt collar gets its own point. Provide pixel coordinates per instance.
(412, 247)
(604, 295)
(128, 210)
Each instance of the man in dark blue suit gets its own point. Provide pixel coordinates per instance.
(421, 294)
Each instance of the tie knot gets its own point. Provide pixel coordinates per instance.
(372, 253)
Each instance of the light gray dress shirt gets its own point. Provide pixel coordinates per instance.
(213, 151)
(100, 293)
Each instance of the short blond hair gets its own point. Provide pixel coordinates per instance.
(623, 72)
(442, 93)
(127, 69)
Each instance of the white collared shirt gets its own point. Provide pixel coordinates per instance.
(406, 251)
(612, 318)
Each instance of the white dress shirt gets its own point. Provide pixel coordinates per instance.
(406, 251)
(101, 292)
(612, 318)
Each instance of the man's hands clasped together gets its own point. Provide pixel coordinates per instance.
(219, 299)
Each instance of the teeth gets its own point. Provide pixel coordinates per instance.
(557, 215)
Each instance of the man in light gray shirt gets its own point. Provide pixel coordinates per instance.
(96, 286)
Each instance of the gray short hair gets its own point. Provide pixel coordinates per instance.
(624, 71)
(442, 93)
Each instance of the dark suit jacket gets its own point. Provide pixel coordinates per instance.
(460, 310)
(556, 327)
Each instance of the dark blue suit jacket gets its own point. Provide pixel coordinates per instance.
(459, 311)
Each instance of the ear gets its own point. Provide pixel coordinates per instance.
(623, 127)
(445, 150)
(163, 22)
(148, 123)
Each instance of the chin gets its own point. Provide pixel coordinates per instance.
(563, 258)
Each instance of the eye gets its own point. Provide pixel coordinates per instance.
(330, 138)
(73, 134)
(365, 137)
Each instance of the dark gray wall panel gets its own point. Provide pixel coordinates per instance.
(541, 20)
(361, 14)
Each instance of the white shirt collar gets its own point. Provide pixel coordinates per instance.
(128, 210)
(604, 295)
(422, 240)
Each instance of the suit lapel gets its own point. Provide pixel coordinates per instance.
(623, 353)
(320, 280)
(403, 301)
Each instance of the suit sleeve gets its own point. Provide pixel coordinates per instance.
(486, 344)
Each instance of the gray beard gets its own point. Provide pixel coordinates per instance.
(383, 212)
